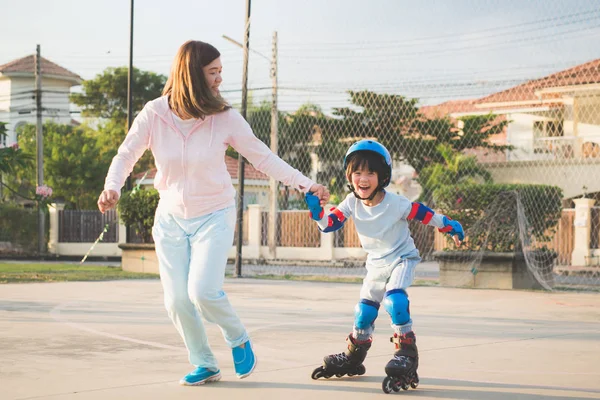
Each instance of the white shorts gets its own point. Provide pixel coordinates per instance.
(381, 279)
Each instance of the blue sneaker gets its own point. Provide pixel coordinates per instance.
(244, 360)
(200, 376)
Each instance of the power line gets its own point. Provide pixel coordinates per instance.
(457, 50)
(436, 38)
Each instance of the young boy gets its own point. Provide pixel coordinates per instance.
(381, 220)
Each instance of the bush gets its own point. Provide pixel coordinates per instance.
(136, 209)
(489, 216)
(19, 227)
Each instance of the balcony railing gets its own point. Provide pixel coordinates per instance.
(566, 147)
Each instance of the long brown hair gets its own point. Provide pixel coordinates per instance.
(189, 95)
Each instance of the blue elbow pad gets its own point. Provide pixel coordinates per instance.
(335, 220)
(420, 212)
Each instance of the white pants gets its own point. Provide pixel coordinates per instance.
(192, 256)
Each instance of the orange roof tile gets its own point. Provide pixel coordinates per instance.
(27, 65)
(583, 74)
(449, 107)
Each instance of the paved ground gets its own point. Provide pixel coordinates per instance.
(113, 340)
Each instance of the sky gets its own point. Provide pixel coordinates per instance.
(433, 50)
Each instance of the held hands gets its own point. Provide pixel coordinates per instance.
(107, 200)
(321, 192)
(316, 211)
(454, 229)
(315, 199)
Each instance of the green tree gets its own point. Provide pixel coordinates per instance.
(137, 208)
(398, 124)
(73, 163)
(293, 136)
(317, 132)
(110, 135)
(105, 96)
(457, 168)
(11, 157)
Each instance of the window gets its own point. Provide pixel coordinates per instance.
(554, 128)
(18, 126)
(249, 198)
(548, 129)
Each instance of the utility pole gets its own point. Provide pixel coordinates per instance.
(130, 76)
(273, 184)
(128, 184)
(39, 146)
(240, 192)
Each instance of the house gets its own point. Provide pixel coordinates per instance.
(256, 184)
(17, 94)
(554, 125)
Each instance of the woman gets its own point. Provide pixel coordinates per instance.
(188, 130)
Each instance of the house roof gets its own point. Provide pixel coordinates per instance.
(232, 167)
(449, 107)
(26, 65)
(583, 74)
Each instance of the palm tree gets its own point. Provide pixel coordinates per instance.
(456, 168)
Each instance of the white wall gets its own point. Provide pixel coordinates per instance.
(520, 129)
(519, 133)
(589, 119)
(257, 189)
(4, 94)
(55, 99)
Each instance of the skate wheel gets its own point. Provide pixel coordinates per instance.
(387, 385)
(396, 387)
(415, 382)
(360, 370)
(404, 386)
(339, 375)
(318, 373)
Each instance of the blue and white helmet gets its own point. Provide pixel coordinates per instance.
(375, 147)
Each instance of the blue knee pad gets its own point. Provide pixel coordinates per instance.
(365, 313)
(397, 305)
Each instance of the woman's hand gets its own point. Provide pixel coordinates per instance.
(321, 192)
(107, 200)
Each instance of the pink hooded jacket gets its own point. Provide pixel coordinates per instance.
(191, 176)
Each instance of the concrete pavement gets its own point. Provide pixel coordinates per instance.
(113, 340)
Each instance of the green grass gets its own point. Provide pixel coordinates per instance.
(36, 272)
(325, 278)
(50, 272)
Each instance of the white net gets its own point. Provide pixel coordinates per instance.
(512, 151)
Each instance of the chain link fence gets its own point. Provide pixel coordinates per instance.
(512, 153)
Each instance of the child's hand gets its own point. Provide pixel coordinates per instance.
(316, 211)
(456, 231)
(321, 192)
(457, 241)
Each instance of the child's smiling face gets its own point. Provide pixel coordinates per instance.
(364, 182)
